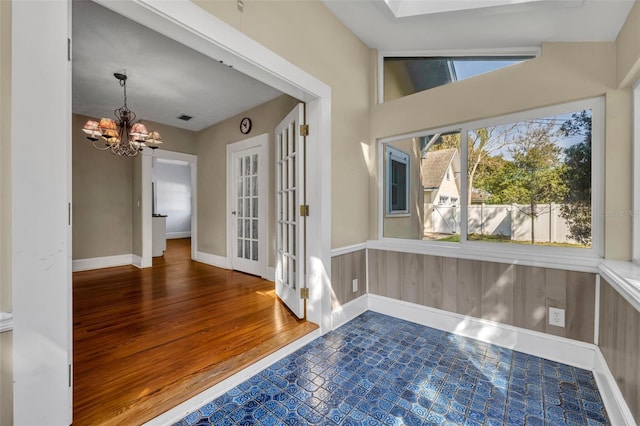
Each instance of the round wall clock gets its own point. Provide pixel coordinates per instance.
(245, 125)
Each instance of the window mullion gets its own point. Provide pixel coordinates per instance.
(464, 198)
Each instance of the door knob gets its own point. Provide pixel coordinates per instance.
(233, 212)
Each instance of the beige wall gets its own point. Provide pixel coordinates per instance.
(102, 194)
(6, 358)
(564, 72)
(628, 49)
(105, 193)
(510, 294)
(620, 343)
(212, 172)
(310, 36)
(136, 206)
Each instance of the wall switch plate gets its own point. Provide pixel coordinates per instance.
(355, 285)
(556, 317)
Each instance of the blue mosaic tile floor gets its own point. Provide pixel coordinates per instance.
(379, 370)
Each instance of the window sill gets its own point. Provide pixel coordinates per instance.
(489, 254)
(625, 278)
(396, 215)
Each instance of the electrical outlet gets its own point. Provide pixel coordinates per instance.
(556, 317)
(355, 285)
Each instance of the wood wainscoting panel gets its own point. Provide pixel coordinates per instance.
(510, 294)
(620, 343)
(580, 307)
(497, 292)
(411, 271)
(529, 309)
(344, 269)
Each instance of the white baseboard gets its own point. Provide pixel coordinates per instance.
(271, 274)
(212, 259)
(102, 262)
(560, 349)
(345, 313)
(137, 261)
(176, 235)
(179, 412)
(617, 408)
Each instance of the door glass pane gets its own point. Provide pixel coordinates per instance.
(294, 241)
(240, 248)
(254, 229)
(239, 185)
(255, 207)
(247, 247)
(247, 228)
(239, 212)
(254, 162)
(293, 171)
(292, 145)
(254, 185)
(247, 209)
(247, 183)
(240, 166)
(247, 165)
(239, 227)
(254, 250)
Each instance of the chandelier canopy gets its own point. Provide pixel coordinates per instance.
(122, 136)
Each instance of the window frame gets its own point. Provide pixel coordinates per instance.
(492, 250)
(394, 154)
(635, 223)
(520, 51)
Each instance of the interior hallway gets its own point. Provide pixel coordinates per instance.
(145, 340)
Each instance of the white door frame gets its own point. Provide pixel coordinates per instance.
(41, 213)
(44, 92)
(147, 208)
(261, 142)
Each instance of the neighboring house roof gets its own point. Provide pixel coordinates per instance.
(434, 166)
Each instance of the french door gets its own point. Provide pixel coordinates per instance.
(247, 202)
(290, 201)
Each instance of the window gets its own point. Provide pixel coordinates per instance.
(636, 175)
(405, 75)
(527, 179)
(397, 172)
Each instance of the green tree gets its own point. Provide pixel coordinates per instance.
(538, 174)
(483, 144)
(576, 209)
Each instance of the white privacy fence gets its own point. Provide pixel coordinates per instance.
(507, 220)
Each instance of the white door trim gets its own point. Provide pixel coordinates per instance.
(41, 214)
(261, 142)
(147, 208)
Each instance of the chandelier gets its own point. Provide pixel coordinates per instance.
(122, 136)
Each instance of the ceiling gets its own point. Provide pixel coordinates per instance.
(401, 25)
(165, 78)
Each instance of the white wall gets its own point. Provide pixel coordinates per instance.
(173, 196)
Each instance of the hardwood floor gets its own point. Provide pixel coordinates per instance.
(145, 340)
